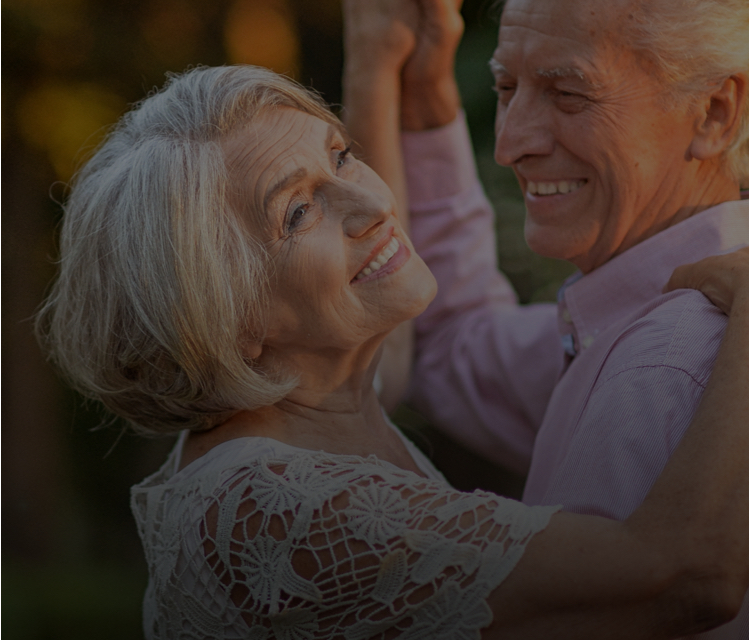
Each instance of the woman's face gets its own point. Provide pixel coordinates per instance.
(343, 270)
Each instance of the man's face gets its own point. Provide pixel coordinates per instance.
(601, 161)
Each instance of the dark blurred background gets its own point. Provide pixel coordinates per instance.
(72, 563)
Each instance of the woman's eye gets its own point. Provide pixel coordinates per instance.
(343, 157)
(296, 217)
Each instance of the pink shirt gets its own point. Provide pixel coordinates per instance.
(595, 426)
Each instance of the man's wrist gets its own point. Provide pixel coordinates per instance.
(429, 105)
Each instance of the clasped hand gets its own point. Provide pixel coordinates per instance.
(414, 39)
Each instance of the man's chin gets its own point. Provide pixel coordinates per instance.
(549, 243)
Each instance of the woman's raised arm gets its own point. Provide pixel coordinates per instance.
(398, 72)
(379, 36)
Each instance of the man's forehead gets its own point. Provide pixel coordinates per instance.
(590, 17)
(573, 39)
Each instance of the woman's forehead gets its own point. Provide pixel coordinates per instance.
(271, 152)
(277, 135)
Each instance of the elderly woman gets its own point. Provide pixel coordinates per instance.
(229, 272)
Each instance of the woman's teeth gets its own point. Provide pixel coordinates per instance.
(384, 256)
(552, 188)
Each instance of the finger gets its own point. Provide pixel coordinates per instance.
(682, 278)
(443, 16)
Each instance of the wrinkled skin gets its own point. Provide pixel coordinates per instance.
(576, 105)
(321, 228)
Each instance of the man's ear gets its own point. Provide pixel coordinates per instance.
(719, 117)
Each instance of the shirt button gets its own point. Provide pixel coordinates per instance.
(587, 342)
(566, 316)
(568, 344)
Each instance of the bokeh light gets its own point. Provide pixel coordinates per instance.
(264, 34)
(67, 121)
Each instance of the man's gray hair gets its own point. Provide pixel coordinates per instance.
(160, 280)
(693, 46)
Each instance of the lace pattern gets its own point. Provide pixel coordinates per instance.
(261, 540)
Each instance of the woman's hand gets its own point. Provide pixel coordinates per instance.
(412, 43)
(379, 35)
(429, 94)
(722, 279)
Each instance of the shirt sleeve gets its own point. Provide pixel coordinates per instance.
(639, 409)
(314, 547)
(485, 366)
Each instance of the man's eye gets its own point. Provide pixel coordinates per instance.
(504, 92)
(296, 217)
(570, 102)
(343, 157)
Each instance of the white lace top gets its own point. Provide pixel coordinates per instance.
(258, 540)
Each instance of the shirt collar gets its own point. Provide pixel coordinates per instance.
(588, 304)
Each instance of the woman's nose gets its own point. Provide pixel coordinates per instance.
(521, 130)
(364, 209)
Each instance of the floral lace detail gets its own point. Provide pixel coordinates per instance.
(274, 542)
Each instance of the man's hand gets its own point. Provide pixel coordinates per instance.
(722, 279)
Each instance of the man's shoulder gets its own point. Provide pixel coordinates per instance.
(681, 330)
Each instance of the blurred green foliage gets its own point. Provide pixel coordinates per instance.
(73, 564)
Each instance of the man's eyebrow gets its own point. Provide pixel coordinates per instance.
(567, 72)
(497, 68)
(561, 72)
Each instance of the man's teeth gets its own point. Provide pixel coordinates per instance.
(384, 256)
(551, 188)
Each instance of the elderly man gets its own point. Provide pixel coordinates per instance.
(625, 122)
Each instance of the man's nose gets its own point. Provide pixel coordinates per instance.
(522, 129)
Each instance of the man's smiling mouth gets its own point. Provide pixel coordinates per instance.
(553, 188)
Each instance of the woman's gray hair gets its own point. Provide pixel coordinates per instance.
(160, 281)
(693, 46)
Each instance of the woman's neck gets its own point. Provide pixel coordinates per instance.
(334, 408)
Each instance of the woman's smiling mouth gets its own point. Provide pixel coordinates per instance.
(379, 262)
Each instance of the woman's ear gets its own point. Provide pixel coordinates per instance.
(720, 114)
(250, 346)
(252, 350)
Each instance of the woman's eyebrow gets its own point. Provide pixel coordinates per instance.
(282, 184)
(301, 172)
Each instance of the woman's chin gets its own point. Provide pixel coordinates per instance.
(427, 293)
(418, 297)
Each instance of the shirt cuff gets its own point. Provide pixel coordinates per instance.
(439, 162)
